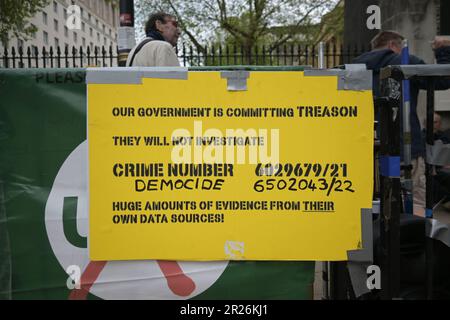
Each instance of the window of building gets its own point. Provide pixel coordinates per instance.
(45, 34)
(444, 20)
(98, 37)
(55, 7)
(108, 10)
(65, 14)
(106, 15)
(114, 16)
(83, 26)
(66, 31)
(91, 32)
(104, 41)
(103, 29)
(83, 41)
(91, 45)
(75, 37)
(56, 42)
(44, 18)
(96, 22)
(81, 13)
(19, 43)
(55, 23)
(89, 17)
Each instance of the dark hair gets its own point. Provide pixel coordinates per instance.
(150, 25)
(384, 37)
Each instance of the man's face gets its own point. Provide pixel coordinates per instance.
(436, 123)
(169, 30)
(395, 46)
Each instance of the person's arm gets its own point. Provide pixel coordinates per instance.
(441, 47)
(443, 55)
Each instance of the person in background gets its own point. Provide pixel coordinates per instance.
(441, 175)
(386, 50)
(439, 134)
(444, 42)
(157, 49)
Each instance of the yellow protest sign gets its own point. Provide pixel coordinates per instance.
(207, 166)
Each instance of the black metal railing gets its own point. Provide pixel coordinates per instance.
(32, 57)
(286, 55)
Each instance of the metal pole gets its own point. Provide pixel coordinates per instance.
(325, 264)
(321, 55)
(407, 182)
(126, 37)
(325, 279)
(429, 188)
(390, 190)
(339, 281)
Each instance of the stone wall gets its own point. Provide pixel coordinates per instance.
(417, 20)
(414, 19)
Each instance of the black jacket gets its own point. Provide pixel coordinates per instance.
(377, 59)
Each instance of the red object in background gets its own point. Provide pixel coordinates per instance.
(126, 20)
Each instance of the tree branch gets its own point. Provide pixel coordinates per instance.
(184, 28)
(282, 39)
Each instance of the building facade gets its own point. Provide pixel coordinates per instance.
(98, 27)
(418, 20)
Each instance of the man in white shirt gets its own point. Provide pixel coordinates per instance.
(157, 50)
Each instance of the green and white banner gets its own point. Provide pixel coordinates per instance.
(44, 213)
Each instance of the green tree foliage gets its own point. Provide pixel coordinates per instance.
(332, 25)
(14, 18)
(245, 23)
